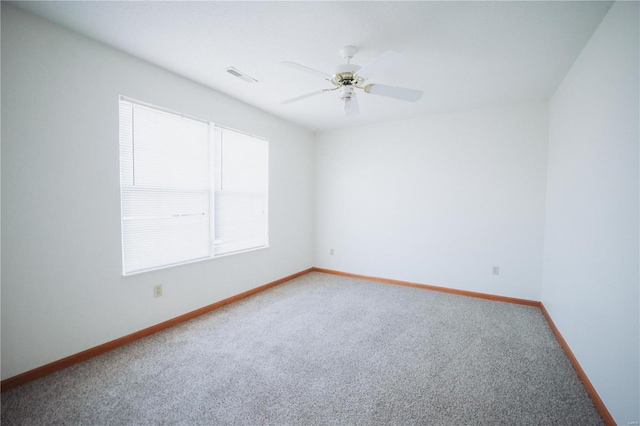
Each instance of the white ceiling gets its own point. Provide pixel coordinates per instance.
(463, 55)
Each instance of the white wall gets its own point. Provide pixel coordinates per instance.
(591, 281)
(437, 200)
(62, 289)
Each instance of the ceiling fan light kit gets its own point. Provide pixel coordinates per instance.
(349, 77)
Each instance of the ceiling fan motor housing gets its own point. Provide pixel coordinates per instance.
(346, 75)
(344, 68)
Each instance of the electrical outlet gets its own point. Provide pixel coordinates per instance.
(157, 290)
(496, 270)
(632, 423)
(331, 252)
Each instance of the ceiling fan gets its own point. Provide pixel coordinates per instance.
(349, 77)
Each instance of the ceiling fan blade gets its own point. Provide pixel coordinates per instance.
(402, 93)
(352, 108)
(301, 97)
(389, 59)
(307, 70)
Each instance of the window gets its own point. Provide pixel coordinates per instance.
(190, 190)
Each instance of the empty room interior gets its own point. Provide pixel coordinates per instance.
(486, 149)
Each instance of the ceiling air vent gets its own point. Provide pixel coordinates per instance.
(234, 72)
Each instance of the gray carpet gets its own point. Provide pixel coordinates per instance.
(323, 349)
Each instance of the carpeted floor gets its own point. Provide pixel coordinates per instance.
(323, 349)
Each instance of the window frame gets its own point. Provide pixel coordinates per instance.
(214, 131)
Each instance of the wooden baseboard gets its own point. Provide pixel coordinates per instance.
(60, 364)
(434, 288)
(602, 409)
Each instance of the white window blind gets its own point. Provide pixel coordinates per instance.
(240, 192)
(189, 190)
